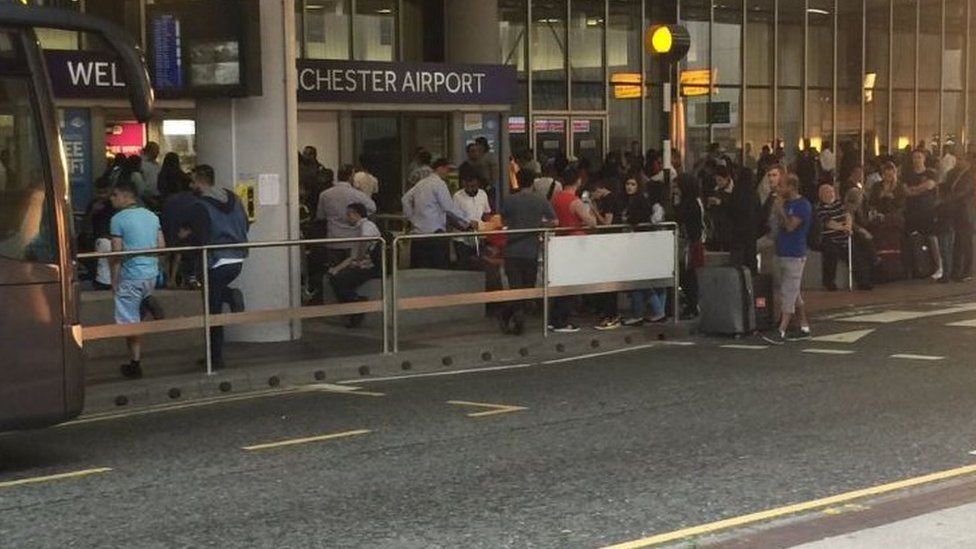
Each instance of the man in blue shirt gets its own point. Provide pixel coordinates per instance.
(133, 277)
(794, 214)
(430, 209)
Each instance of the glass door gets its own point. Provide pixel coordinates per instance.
(589, 141)
(550, 139)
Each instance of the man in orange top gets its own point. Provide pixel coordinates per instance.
(571, 211)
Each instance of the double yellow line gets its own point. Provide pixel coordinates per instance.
(762, 516)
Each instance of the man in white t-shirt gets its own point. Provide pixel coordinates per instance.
(473, 201)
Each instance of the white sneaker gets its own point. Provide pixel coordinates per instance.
(937, 275)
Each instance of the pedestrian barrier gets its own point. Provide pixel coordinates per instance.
(210, 320)
(615, 258)
(599, 261)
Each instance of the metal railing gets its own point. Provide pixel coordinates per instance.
(545, 292)
(390, 304)
(208, 319)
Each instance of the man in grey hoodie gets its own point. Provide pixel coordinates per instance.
(218, 218)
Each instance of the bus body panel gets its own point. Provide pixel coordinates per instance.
(32, 391)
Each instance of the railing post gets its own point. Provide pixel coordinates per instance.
(385, 295)
(394, 327)
(850, 263)
(545, 283)
(675, 305)
(206, 309)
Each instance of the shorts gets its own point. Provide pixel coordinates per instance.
(128, 299)
(790, 281)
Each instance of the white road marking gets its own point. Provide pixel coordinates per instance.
(973, 453)
(746, 347)
(679, 343)
(906, 356)
(887, 317)
(844, 337)
(597, 355)
(964, 324)
(828, 351)
(438, 374)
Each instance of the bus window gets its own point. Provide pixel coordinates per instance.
(26, 221)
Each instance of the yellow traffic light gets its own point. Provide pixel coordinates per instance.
(669, 42)
(661, 40)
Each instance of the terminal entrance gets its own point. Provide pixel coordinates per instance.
(580, 138)
(386, 144)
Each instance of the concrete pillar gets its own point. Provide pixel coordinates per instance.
(471, 31)
(246, 138)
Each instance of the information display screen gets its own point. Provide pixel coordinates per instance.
(205, 47)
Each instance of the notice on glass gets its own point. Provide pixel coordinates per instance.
(473, 122)
(269, 189)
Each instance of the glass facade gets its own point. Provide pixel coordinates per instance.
(864, 76)
(861, 76)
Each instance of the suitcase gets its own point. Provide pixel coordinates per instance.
(891, 266)
(763, 298)
(922, 264)
(726, 301)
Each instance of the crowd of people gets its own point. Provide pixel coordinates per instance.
(906, 215)
(142, 205)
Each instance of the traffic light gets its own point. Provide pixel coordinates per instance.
(668, 42)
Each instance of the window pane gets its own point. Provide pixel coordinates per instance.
(724, 118)
(902, 119)
(790, 61)
(903, 61)
(790, 106)
(374, 30)
(876, 121)
(696, 130)
(850, 79)
(759, 123)
(327, 29)
(512, 15)
(586, 31)
(55, 39)
(549, 55)
(759, 43)
(952, 117)
(928, 119)
(879, 30)
(27, 231)
(727, 44)
(954, 57)
(624, 53)
(821, 50)
(820, 115)
(930, 45)
(695, 16)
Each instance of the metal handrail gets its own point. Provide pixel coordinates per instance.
(291, 313)
(546, 233)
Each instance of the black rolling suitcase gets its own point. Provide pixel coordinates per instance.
(923, 264)
(726, 301)
(763, 299)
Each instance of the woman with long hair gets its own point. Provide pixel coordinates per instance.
(172, 179)
(638, 209)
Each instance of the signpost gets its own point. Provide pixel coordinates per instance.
(670, 44)
(76, 132)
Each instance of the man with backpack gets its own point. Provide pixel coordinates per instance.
(218, 217)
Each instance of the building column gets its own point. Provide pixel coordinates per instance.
(471, 31)
(252, 141)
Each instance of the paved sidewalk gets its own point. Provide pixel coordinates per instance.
(948, 528)
(907, 290)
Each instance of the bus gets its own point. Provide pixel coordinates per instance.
(41, 363)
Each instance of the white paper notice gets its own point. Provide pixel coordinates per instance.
(269, 189)
(473, 122)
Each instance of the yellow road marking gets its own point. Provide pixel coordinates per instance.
(306, 440)
(49, 478)
(770, 514)
(494, 409)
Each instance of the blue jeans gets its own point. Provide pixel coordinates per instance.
(640, 298)
(947, 244)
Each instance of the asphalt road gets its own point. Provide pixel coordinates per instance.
(608, 449)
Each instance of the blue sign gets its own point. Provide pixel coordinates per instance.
(76, 134)
(167, 52)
